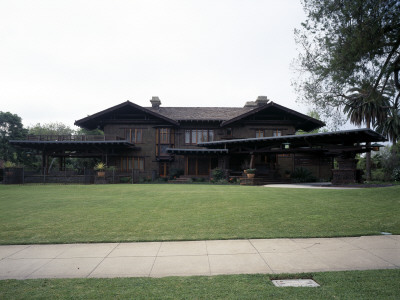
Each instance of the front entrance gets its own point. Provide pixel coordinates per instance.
(265, 164)
(164, 169)
(200, 166)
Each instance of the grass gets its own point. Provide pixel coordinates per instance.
(115, 213)
(376, 284)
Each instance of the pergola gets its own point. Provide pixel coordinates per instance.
(81, 146)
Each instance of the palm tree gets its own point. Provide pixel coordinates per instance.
(366, 105)
(390, 127)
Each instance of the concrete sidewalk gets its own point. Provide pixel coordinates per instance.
(158, 259)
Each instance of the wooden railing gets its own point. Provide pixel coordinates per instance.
(75, 138)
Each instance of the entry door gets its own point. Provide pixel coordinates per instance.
(164, 169)
(270, 160)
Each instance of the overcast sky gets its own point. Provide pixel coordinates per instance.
(63, 60)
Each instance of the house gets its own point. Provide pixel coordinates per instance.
(152, 141)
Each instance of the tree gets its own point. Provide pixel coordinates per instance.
(391, 127)
(363, 107)
(55, 128)
(11, 128)
(314, 114)
(346, 45)
(83, 131)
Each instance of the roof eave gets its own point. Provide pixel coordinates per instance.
(81, 122)
(376, 137)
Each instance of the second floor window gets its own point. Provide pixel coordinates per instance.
(259, 133)
(164, 135)
(195, 136)
(276, 132)
(134, 135)
(165, 138)
(229, 131)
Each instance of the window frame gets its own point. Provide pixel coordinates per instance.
(165, 135)
(129, 163)
(260, 133)
(135, 131)
(198, 135)
(276, 132)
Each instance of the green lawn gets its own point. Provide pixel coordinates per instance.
(147, 212)
(376, 284)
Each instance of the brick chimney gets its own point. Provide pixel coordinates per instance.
(155, 102)
(262, 100)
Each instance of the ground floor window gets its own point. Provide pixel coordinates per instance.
(132, 163)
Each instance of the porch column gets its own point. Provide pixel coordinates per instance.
(60, 163)
(44, 162)
(251, 160)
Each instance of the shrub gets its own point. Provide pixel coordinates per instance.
(162, 179)
(396, 174)
(388, 161)
(143, 180)
(378, 175)
(125, 179)
(303, 175)
(250, 171)
(100, 166)
(233, 180)
(9, 164)
(217, 174)
(175, 173)
(223, 181)
(198, 179)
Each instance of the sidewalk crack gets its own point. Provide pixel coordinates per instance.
(261, 256)
(208, 258)
(155, 258)
(102, 260)
(27, 246)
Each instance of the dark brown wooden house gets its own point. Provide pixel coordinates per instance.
(154, 140)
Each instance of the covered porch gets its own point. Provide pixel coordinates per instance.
(275, 157)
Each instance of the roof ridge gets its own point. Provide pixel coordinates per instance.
(238, 107)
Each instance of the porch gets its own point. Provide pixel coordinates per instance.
(74, 146)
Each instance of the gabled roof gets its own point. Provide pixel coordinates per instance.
(94, 121)
(308, 123)
(225, 115)
(200, 113)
